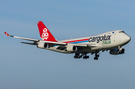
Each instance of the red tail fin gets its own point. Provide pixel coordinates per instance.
(45, 34)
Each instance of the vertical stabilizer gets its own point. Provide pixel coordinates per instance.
(45, 34)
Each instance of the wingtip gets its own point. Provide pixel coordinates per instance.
(6, 34)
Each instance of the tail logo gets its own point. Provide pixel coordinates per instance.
(45, 35)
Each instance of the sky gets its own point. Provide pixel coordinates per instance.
(27, 67)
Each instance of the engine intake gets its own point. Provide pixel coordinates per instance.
(116, 51)
(42, 45)
(71, 48)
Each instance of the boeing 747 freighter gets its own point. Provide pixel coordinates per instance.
(112, 41)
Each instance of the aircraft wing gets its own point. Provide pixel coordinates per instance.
(35, 40)
(50, 42)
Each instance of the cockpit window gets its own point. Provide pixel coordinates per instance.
(121, 32)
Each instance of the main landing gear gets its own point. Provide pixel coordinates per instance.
(84, 55)
(96, 56)
(78, 56)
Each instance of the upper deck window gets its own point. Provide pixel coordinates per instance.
(121, 32)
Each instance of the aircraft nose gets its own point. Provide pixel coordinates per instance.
(127, 38)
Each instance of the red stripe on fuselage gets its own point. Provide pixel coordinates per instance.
(75, 41)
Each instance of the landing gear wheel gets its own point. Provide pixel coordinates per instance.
(95, 58)
(85, 57)
(77, 55)
(80, 55)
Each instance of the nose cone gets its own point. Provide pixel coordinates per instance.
(127, 38)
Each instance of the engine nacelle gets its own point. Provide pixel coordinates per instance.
(71, 48)
(116, 51)
(42, 45)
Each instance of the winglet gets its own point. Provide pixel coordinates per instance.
(6, 34)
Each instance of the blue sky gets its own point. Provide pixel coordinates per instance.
(26, 67)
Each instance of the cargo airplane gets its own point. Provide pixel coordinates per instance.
(112, 41)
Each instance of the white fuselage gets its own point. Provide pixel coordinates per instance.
(105, 41)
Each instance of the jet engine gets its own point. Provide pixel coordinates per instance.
(71, 48)
(42, 45)
(116, 51)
